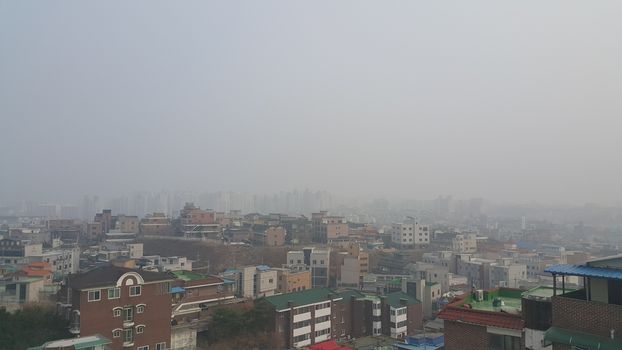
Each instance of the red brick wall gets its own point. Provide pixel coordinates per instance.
(587, 316)
(415, 318)
(97, 316)
(464, 336)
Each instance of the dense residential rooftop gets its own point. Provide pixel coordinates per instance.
(498, 308)
(316, 295)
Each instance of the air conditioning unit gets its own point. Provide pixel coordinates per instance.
(479, 295)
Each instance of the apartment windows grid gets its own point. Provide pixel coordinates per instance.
(114, 293)
(94, 295)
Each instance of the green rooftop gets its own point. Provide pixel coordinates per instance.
(511, 300)
(305, 297)
(542, 293)
(395, 299)
(317, 295)
(188, 275)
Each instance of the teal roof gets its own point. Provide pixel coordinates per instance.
(394, 299)
(305, 297)
(349, 293)
(555, 335)
(318, 295)
(76, 343)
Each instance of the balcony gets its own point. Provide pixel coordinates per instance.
(571, 311)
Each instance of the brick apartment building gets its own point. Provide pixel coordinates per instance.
(130, 307)
(316, 315)
(156, 224)
(588, 318)
(326, 228)
(292, 280)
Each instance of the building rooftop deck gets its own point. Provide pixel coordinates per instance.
(510, 298)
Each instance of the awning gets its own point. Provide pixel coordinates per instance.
(583, 340)
(177, 290)
(584, 271)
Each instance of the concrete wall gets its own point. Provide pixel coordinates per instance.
(183, 338)
(600, 290)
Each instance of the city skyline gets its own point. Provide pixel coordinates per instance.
(392, 101)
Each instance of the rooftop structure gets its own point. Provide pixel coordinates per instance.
(587, 318)
(93, 342)
(490, 317)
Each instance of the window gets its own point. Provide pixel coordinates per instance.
(301, 338)
(116, 312)
(140, 309)
(322, 319)
(146, 347)
(128, 336)
(140, 329)
(134, 291)
(301, 324)
(94, 295)
(322, 332)
(161, 346)
(116, 333)
(128, 314)
(114, 293)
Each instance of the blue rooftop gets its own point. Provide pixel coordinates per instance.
(585, 271)
(263, 267)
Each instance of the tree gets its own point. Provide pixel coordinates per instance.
(31, 326)
(238, 329)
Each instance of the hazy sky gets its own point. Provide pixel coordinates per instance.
(511, 101)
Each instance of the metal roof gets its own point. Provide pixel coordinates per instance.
(585, 271)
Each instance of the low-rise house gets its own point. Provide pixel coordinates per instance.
(484, 320)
